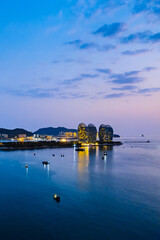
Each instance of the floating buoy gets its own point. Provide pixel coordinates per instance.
(56, 197)
(26, 166)
(34, 154)
(105, 153)
(103, 158)
(53, 155)
(45, 162)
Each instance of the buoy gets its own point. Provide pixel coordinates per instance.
(53, 155)
(103, 158)
(105, 153)
(26, 166)
(45, 162)
(56, 197)
(34, 154)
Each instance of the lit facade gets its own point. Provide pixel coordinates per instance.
(105, 133)
(92, 133)
(88, 134)
(82, 133)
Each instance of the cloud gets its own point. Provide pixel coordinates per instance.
(150, 6)
(115, 95)
(104, 70)
(125, 88)
(155, 37)
(136, 52)
(72, 80)
(139, 36)
(90, 45)
(108, 30)
(70, 60)
(144, 37)
(72, 95)
(80, 78)
(41, 93)
(126, 78)
(148, 90)
(75, 42)
(86, 75)
(34, 92)
(148, 69)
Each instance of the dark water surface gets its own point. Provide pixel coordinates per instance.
(114, 198)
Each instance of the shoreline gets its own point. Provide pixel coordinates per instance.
(14, 146)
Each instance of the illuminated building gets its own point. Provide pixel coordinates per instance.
(82, 133)
(105, 133)
(22, 136)
(92, 133)
(70, 134)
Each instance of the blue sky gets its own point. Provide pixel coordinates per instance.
(65, 62)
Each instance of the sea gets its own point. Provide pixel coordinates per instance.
(113, 197)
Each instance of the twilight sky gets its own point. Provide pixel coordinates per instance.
(70, 61)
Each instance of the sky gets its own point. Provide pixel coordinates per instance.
(71, 61)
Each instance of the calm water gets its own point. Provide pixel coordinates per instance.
(114, 198)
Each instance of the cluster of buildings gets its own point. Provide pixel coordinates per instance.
(85, 134)
(89, 134)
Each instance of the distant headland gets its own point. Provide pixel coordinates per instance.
(50, 131)
(50, 137)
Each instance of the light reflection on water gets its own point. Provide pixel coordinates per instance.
(112, 198)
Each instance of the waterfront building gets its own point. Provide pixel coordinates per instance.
(68, 135)
(92, 133)
(105, 133)
(3, 136)
(82, 133)
(22, 136)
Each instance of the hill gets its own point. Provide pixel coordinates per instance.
(15, 132)
(53, 131)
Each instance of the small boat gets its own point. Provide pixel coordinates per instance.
(79, 149)
(45, 163)
(105, 153)
(26, 166)
(56, 197)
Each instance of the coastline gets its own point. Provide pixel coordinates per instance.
(13, 146)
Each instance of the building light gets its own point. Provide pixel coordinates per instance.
(63, 140)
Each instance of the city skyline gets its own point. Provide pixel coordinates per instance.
(68, 62)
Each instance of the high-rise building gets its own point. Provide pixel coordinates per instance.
(92, 133)
(105, 133)
(82, 133)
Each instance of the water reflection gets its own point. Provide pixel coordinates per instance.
(92, 161)
(46, 168)
(26, 171)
